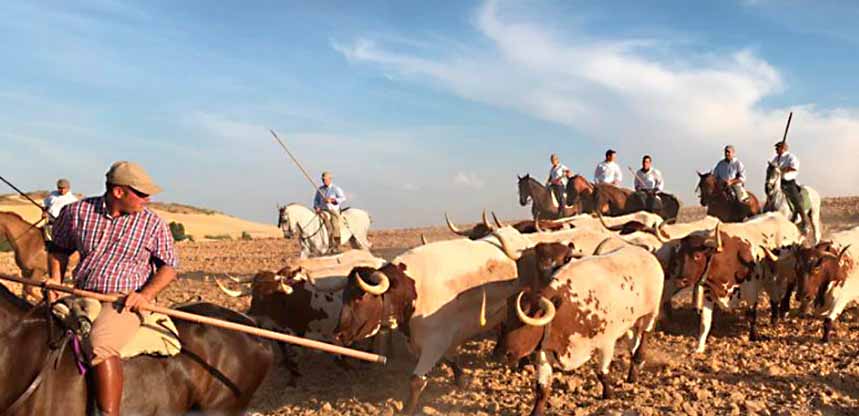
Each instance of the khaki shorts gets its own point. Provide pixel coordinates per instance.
(112, 330)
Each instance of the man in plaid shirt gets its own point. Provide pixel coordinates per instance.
(124, 249)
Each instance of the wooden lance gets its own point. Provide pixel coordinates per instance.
(264, 333)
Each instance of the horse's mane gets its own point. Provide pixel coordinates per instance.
(14, 215)
(14, 299)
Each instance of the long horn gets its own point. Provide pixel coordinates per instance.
(839, 256)
(770, 255)
(598, 250)
(453, 228)
(424, 239)
(545, 304)
(240, 280)
(379, 289)
(661, 234)
(498, 223)
(486, 221)
(230, 292)
(602, 220)
(285, 287)
(483, 309)
(506, 248)
(719, 238)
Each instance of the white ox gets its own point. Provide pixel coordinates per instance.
(313, 238)
(587, 306)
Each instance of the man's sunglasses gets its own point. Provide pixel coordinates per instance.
(139, 194)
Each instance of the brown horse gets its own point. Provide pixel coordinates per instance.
(543, 203)
(217, 371)
(613, 200)
(29, 244)
(716, 196)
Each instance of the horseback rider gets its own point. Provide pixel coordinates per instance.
(648, 185)
(124, 249)
(608, 171)
(788, 164)
(731, 172)
(327, 203)
(557, 182)
(54, 203)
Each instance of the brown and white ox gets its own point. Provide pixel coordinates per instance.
(732, 266)
(828, 276)
(439, 295)
(304, 298)
(586, 306)
(483, 229)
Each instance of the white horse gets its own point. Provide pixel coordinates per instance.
(296, 219)
(777, 201)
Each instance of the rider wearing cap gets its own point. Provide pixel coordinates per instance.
(788, 164)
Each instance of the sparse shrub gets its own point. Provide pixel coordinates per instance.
(219, 237)
(178, 231)
(246, 236)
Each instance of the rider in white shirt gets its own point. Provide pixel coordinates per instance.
(557, 182)
(608, 171)
(648, 185)
(54, 203)
(788, 163)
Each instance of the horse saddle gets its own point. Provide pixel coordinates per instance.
(157, 335)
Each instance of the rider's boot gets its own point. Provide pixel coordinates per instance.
(108, 384)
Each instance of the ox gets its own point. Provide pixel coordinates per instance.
(484, 228)
(304, 298)
(733, 267)
(439, 295)
(586, 306)
(828, 277)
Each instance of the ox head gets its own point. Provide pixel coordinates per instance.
(372, 298)
(718, 259)
(529, 311)
(817, 268)
(524, 191)
(477, 232)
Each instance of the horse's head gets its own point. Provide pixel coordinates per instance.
(577, 186)
(284, 223)
(707, 187)
(524, 191)
(773, 181)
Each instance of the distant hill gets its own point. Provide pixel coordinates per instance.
(200, 223)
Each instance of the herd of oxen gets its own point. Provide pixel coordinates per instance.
(555, 291)
(559, 291)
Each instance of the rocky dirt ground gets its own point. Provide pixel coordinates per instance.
(789, 373)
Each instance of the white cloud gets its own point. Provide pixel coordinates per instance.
(468, 180)
(638, 95)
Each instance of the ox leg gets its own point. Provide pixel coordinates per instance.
(417, 386)
(775, 312)
(606, 353)
(543, 387)
(784, 307)
(636, 361)
(752, 316)
(706, 322)
(827, 330)
(430, 355)
(451, 359)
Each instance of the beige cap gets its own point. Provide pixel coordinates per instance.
(63, 183)
(132, 175)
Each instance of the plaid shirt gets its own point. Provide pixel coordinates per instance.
(116, 254)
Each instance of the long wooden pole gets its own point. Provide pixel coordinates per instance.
(277, 336)
(787, 127)
(20, 192)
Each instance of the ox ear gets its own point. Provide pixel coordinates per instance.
(401, 267)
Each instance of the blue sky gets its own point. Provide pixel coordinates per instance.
(419, 108)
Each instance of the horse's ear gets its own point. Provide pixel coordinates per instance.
(701, 175)
(518, 177)
(527, 175)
